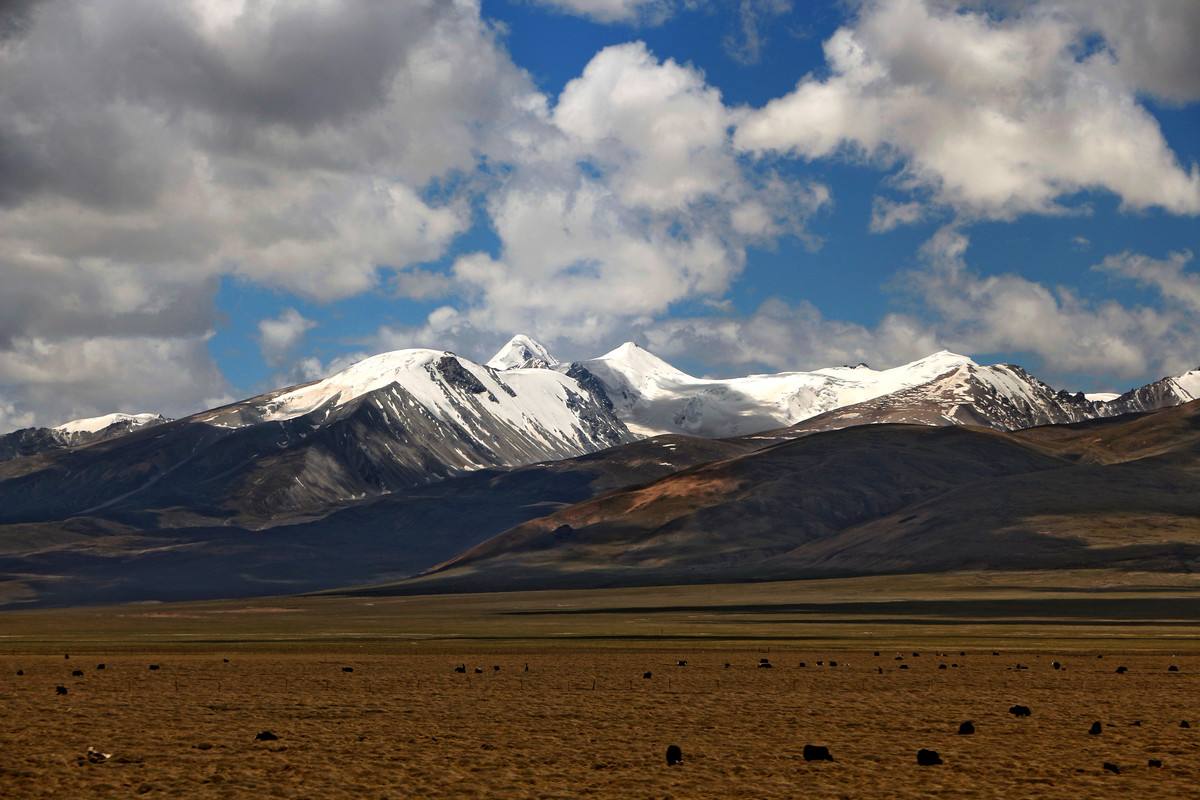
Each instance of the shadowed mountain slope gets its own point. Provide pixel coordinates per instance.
(883, 498)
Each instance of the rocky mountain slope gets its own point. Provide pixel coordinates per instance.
(76, 433)
(875, 499)
(393, 421)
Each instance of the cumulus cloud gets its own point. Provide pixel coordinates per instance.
(785, 336)
(150, 149)
(636, 200)
(950, 305)
(46, 382)
(993, 117)
(1168, 276)
(648, 11)
(278, 336)
(746, 43)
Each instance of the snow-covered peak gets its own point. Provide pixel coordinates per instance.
(376, 372)
(97, 424)
(521, 351)
(653, 397)
(1190, 382)
(640, 367)
(544, 408)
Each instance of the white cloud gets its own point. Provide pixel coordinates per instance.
(148, 150)
(782, 336)
(649, 11)
(635, 201)
(278, 336)
(47, 382)
(1167, 276)
(993, 117)
(1055, 331)
(888, 214)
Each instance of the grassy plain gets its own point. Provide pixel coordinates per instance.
(584, 722)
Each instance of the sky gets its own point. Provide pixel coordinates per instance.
(203, 200)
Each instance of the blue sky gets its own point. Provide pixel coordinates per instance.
(740, 186)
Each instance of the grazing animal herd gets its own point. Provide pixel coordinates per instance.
(674, 754)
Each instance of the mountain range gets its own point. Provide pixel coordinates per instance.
(526, 471)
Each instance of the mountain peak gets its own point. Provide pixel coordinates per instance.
(521, 350)
(97, 424)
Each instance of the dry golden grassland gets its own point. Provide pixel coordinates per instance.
(584, 722)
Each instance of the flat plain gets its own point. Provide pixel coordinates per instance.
(569, 712)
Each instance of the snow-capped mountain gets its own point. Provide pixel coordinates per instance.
(119, 420)
(1169, 391)
(1001, 396)
(77, 432)
(945, 388)
(653, 397)
(522, 351)
(395, 420)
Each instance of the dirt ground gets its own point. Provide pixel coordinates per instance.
(583, 721)
(587, 724)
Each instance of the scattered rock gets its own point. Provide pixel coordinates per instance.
(674, 755)
(1020, 711)
(94, 756)
(60, 690)
(1111, 767)
(647, 675)
(966, 729)
(904, 666)
(1154, 762)
(1096, 729)
(479, 670)
(1137, 723)
(154, 667)
(347, 669)
(876, 653)
(1185, 724)
(1172, 668)
(66, 656)
(1056, 665)
(681, 663)
(928, 758)
(1122, 670)
(495, 668)
(225, 660)
(942, 666)
(20, 672)
(803, 665)
(817, 752)
(880, 670)
(833, 663)
(461, 669)
(727, 665)
(764, 664)
(101, 666)
(202, 746)
(265, 736)
(76, 673)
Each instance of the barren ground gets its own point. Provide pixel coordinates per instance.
(583, 722)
